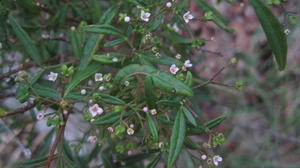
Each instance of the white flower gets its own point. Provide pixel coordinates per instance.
(176, 28)
(178, 56)
(145, 16)
(73, 28)
(174, 69)
(95, 110)
(45, 36)
(153, 112)
(92, 139)
(52, 76)
(101, 88)
(115, 59)
(90, 82)
(169, 4)
(203, 157)
(145, 109)
(98, 77)
(160, 144)
(130, 131)
(126, 83)
(40, 116)
(157, 54)
(188, 64)
(83, 91)
(188, 16)
(131, 125)
(91, 101)
(127, 19)
(110, 129)
(287, 31)
(217, 159)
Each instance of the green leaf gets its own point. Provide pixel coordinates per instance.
(171, 103)
(80, 76)
(110, 99)
(75, 43)
(109, 118)
(175, 37)
(163, 60)
(102, 29)
(108, 58)
(154, 161)
(168, 83)
(36, 162)
(22, 93)
(189, 79)
(93, 41)
(36, 76)
(133, 69)
(218, 18)
(25, 40)
(177, 138)
(149, 92)
(44, 91)
(216, 121)
(107, 158)
(273, 30)
(189, 116)
(114, 42)
(152, 127)
(74, 96)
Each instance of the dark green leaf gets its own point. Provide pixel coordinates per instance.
(25, 40)
(152, 126)
(273, 30)
(215, 122)
(149, 92)
(189, 79)
(114, 43)
(110, 99)
(44, 91)
(189, 116)
(177, 138)
(109, 118)
(75, 43)
(80, 76)
(133, 69)
(108, 58)
(36, 162)
(168, 83)
(36, 76)
(102, 29)
(22, 93)
(163, 60)
(154, 161)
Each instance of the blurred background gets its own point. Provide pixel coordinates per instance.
(263, 129)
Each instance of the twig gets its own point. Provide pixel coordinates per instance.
(223, 84)
(211, 79)
(212, 52)
(18, 110)
(5, 95)
(59, 136)
(29, 65)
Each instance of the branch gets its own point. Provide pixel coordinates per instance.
(29, 65)
(5, 95)
(211, 79)
(18, 110)
(59, 136)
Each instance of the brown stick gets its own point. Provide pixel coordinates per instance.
(59, 136)
(29, 65)
(5, 95)
(211, 79)
(19, 110)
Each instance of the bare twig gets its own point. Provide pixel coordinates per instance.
(18, 110)
(211, 79)
(212, 52)
(5, 95)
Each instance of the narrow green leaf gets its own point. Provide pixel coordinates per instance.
(108, 118)
(171, 103)
(75, 43)
(108, 58)
(189, 79)
(131, 69)
(80, 76)
(114, 42)
(216, 121)
(110, 99)
(25, 40)
(36, 76)
(107, 158)
(177, 138)
(94, 39)
(154, 161)
(102, 29)
(168, 83)
(273, 30)
(149, 92)
(36, 162)
(189, 116)
(163, 60)
(22, 93)
(218, 18)
(152, 127)
(45, 91)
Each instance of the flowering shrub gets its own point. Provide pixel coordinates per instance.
(126, 68)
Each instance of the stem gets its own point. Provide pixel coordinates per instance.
(18, 110)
